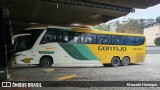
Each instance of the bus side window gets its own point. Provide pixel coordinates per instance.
(93, 36)
(83, 37)
(139, 40)
(128, 40)
(133, 41)
(115, 40)
(103, 40)
(58, 36)
(48, 37)
(122, 40)
(88, 39)
(70, 37)
(64, 37)
(108, 39)
(77, 38)
(98, 39)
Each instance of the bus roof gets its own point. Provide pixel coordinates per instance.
(87, 30)
(44, 27)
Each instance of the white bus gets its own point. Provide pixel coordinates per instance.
(45, 46)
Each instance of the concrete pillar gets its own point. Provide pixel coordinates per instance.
(5, 42)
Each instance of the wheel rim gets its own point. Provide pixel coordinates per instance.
(115, 61)
(46, 63)
(125, 61)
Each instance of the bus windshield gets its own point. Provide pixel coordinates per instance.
(23, 43)
(26, 41)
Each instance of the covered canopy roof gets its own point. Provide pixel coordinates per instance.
(66, 12)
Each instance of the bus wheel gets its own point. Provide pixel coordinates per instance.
(45, 62)
(125, 61)
(115, 62)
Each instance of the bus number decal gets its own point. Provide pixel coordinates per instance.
(137, 48)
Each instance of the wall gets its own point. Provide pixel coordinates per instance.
(151, 32)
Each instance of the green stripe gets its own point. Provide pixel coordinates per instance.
(85, 51)
(79, 51)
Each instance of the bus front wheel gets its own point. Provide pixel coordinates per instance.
(125, 61)
(45, 62)
(115, 62)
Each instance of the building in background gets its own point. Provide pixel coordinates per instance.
(148, 21)
(113, 26)
(151, 32)
(124, 22)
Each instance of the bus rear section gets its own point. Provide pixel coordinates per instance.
(120, 49)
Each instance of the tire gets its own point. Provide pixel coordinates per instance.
(115, 62)
(125, 61)
(45, 62)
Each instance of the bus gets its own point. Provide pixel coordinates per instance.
(53, 45)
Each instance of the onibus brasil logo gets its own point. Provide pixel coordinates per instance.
(20, 84)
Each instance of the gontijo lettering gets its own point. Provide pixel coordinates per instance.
(112, 48)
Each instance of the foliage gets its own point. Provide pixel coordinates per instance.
(158, 19)
(157, 41)
(133, 26)
(103, 27)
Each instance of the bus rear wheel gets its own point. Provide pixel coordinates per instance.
(125, 61)
(115, 62)
(45, 62)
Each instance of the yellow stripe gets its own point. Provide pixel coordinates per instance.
(67, 77)
(49, 70)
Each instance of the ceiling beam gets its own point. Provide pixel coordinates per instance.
(93, 4)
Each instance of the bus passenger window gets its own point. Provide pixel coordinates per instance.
(83, 37)
(70, 37)
(108, 39)
(133, 41)
(128, 40)
(101, 39)
(87, 38)
(57, 36)
(77, 38)
(115, 40)
(90, 38)
(49, 37)
(65, 37)
(139, 40)
(93, 39)
(122, 40)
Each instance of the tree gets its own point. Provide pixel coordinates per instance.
(103, 27)
(157, 41)
(133, 26)
(158, 19)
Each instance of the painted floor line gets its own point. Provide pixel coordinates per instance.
(67, 77)
(49, 70)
